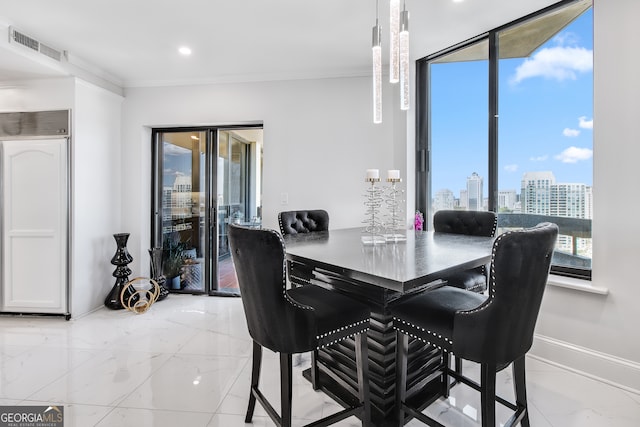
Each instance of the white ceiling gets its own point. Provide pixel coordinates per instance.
(135, 42)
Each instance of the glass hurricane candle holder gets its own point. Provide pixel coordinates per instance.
(393, 199)
(373, 202)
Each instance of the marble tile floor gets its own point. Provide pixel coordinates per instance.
(186, 362)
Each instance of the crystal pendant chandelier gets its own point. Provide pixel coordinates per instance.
(404, 58)
(376, 50)
(394, 42)
(398, 57)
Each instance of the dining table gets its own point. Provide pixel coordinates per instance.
(380, 275)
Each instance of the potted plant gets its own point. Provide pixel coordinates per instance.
(174, 250)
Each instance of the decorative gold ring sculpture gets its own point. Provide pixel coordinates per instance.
(139, 300)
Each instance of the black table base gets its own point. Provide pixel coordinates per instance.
(423, 380)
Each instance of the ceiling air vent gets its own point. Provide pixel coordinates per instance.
(16, 36)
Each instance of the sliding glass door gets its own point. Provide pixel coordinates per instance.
(238, 193)
(204, 179)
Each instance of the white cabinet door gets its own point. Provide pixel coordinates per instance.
(34, 226)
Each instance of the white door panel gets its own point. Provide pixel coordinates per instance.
(34, 225)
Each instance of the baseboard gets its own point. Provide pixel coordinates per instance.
(618, 372)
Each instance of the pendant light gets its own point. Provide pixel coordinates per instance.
(404, 58)
(394, 43)
(376, 50)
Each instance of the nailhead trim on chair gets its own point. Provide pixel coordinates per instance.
(306, 307)
(344, 338)
(280, 224)
(404, 322)
(299, 279)
(409, 334)
(343, 328)
(492, 288)
(481, 307)
(284, 277)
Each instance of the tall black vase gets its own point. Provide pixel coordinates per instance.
(121, 259)
(156, 272)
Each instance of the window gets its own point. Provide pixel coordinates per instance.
(505, 124)
(459, 89)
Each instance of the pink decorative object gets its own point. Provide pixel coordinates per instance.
(419, 221)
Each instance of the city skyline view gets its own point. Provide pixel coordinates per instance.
(545, 118)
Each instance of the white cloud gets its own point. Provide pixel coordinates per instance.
(570, 133)
(539, 158)
(574, 155)
(566, 38)
(511, 168)
(584, 123)
(558, 62)
(174, 150)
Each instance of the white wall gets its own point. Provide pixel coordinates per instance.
(95, 170)
(97, 195)
(318, 141)
(594, 333)
(37, 95)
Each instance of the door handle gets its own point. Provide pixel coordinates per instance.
(213, 220)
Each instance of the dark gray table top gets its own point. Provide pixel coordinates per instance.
(401, 266)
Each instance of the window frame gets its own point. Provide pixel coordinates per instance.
(424, 192)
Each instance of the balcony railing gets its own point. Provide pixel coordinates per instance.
(574, 228)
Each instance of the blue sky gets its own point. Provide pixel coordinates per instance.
(545, 114)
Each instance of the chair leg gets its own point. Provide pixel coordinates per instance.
(520, 388)
(488, 394)
(458, 366)
(286, 392)
(446, 383)
(315, 371)
(255, 378)
(362, 366)
(402, 349)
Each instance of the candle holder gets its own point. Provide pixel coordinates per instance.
(138, 294)
(373, 202)
(394, 225)
(121, 259)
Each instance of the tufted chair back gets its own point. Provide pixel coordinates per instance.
(274, 320)
(501, 329)
(305, 221)
(298, 320)
(473, 223)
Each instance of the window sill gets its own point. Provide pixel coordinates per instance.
(576, 284)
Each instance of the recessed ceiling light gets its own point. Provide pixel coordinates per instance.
(184, 50)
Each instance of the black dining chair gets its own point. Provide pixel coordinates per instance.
(289, 321)
(303, 221)
(473, 223)
(494, 330)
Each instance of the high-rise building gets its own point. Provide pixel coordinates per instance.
(535, 196)
(507, 200)
(541, 195)
(567, 200)
(588, 202)
(181, 197)
(464, 199)
(474, 192)
(443, 200)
